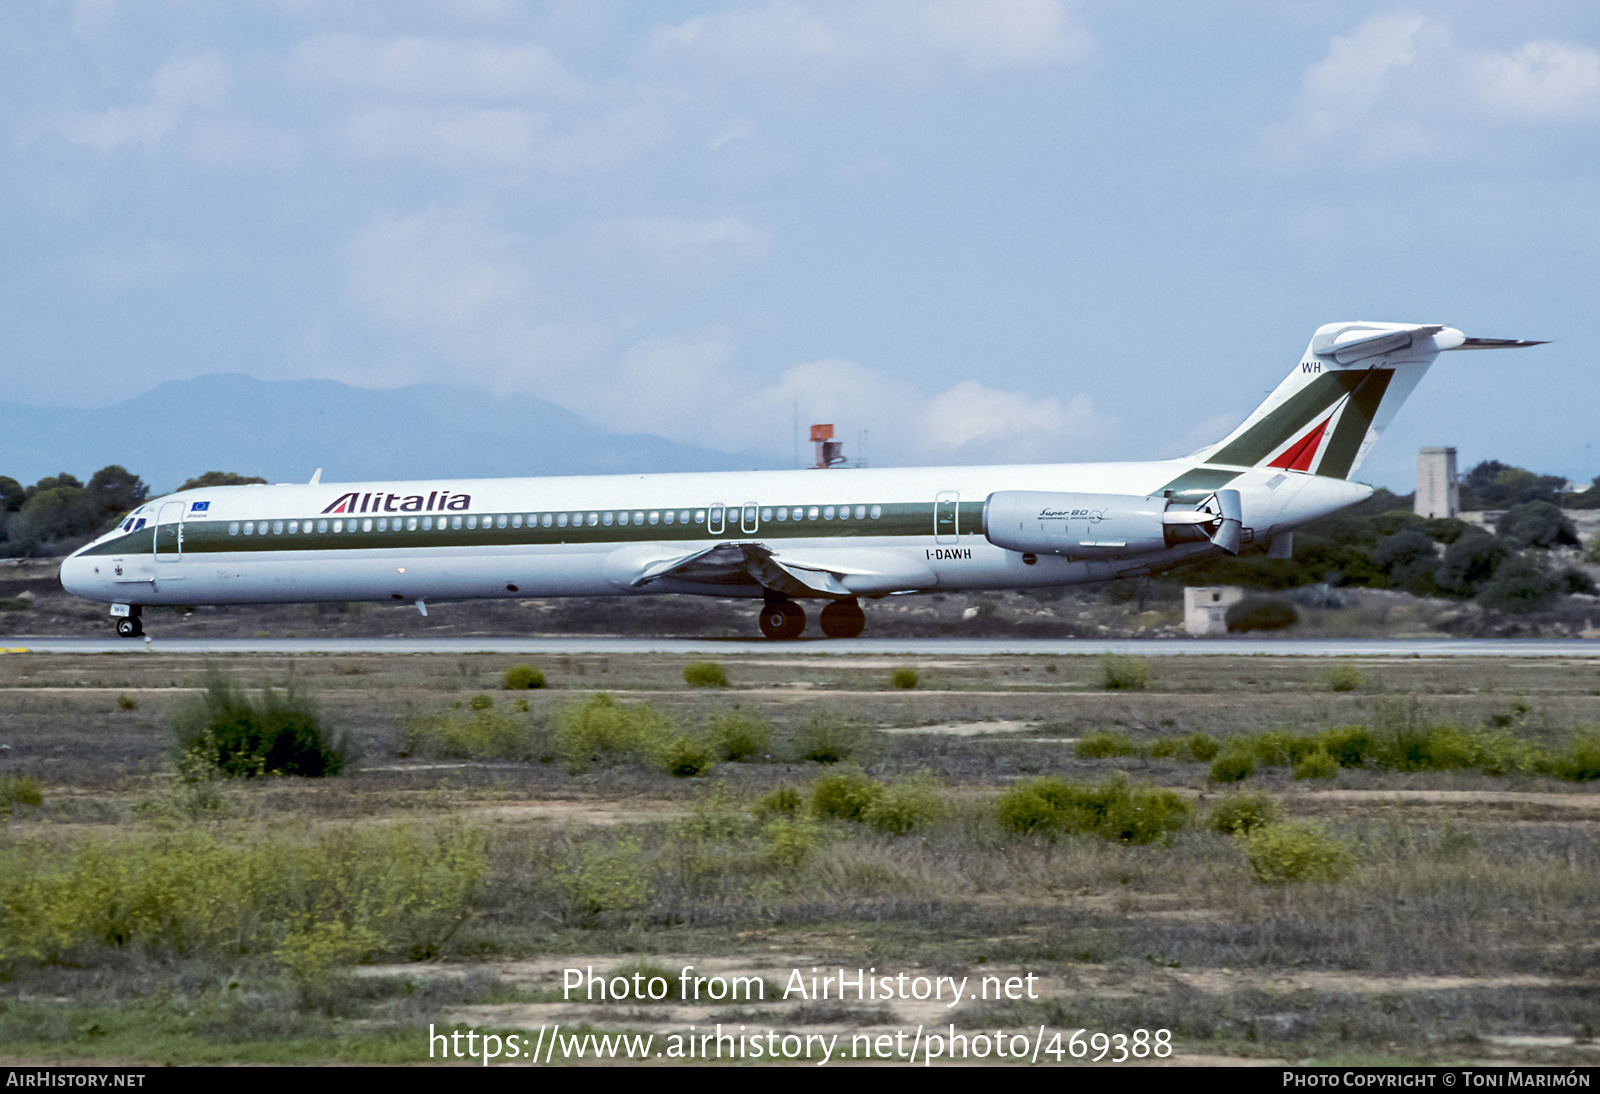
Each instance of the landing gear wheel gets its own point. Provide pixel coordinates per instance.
(129, 628)
(843, 619)
(782, 619)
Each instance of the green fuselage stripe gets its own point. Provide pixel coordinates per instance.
(202, 537)
(1270, 433)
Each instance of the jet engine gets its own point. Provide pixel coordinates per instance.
(1101, 525)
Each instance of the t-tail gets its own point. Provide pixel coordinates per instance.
(1329, 412)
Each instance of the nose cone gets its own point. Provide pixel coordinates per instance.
(77, 576)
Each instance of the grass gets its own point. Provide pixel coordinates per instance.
(216, 955)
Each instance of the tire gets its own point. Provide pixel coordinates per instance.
(782, 619)
(129, 628)
(843, 619)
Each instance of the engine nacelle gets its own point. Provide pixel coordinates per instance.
(1092, 525)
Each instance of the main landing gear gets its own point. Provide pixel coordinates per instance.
(785, 619)
(782, 619)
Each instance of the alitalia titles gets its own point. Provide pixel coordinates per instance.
(437, 500)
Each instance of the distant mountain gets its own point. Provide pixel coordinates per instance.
(283, 430)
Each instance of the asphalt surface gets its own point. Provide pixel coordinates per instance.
(966, 647)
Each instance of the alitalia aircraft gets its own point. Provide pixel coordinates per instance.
(780, 536)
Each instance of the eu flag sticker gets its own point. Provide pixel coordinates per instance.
(200, 507)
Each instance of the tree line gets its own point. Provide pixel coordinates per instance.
(60, 513)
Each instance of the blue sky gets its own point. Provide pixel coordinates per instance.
(981, 230)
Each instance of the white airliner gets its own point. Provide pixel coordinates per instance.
(780, 536)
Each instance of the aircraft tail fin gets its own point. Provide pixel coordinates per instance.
(1329, 412)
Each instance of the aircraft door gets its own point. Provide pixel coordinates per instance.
(169, 541)
(946, 515)
(714, 522)
(751, 519)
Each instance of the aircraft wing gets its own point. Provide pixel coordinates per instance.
(828, 572)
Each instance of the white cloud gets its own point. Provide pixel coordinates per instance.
(676, 248)
(1541, 82)
(437, 270)
(434, 68)
(690, 388)
(452, 137)
(1399, 88)
(176, 89)
(907, 39)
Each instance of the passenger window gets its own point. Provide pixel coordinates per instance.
(877, 511)
(455, 522)
(411, 524)
(233, 529)
(294, 526)
(668, 517)
(516, 520)
(861, 512)
(472, 522)
(608, 519)
(827, 514)
(699, 516)
(322, 526)
(383, 524)
(366, 525)
(622, 517)
(500, 521)
(594, 519)
(655, 516)
(783, 513)
(277, 527)
(766, 514)
(811, 514)
(338, 526)
(683, 516)
(561, 519)
(638, 516)
(249, 527)
(548, 519)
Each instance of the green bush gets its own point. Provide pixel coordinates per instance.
(1296, 851)
(904, 678)
(1255, 613)
(828, 739)
(1195, 748)
(279, 734)
(127, 702)
(1345, 677)
(686, 757)
(1581, 763)
(739, 735)
(1203, 747)
(486, 735)
(603, 880)
(788, 841)
(905, 806)
(400, 889)
(1317, 765)
(1101, 745)
(521, 678)
(785, 799)
(602, 732)
(18, 790)
(1350, 746)
(1124, 673)
(481, 701)
(705, 674)
(1241, 814)
(1116, 810)
(845, 795)
(1232, 766)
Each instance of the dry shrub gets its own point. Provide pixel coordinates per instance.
(484, 735)
(845, 795)
(1241, 814)
(739, 735)
(1124, 673)
(705, 674)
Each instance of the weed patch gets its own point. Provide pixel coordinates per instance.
(705, 674)
(1296, 851)
(1115, 810)
(280, 733)
(521, 678)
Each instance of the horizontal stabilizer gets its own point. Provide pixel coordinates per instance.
(1499, 343)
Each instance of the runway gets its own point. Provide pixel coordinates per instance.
(822, 647)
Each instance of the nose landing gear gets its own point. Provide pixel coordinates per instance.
(128, 625)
